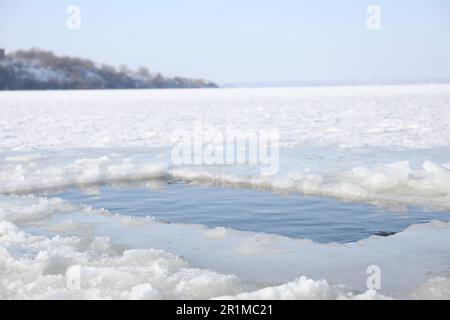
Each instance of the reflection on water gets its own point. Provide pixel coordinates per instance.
(318, 219)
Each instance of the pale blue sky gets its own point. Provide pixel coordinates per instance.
(243, 41)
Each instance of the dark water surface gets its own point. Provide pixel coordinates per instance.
(318, 219)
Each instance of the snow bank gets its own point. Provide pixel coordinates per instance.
(26, 176)
(84, 267)
(304, 289)
(437, 288)
(72, 268)
(390, 184)
(48, 246)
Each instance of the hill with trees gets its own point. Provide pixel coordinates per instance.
(40, 70)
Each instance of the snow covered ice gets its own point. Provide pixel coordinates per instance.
(384, 116)
(383, 145)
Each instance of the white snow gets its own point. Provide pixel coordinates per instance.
(390, 184)
(392, 142)
(40, 267)
(76, 240)
(415, 116)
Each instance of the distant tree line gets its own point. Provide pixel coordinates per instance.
(39, 70)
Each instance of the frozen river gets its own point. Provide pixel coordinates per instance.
(89, 190)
